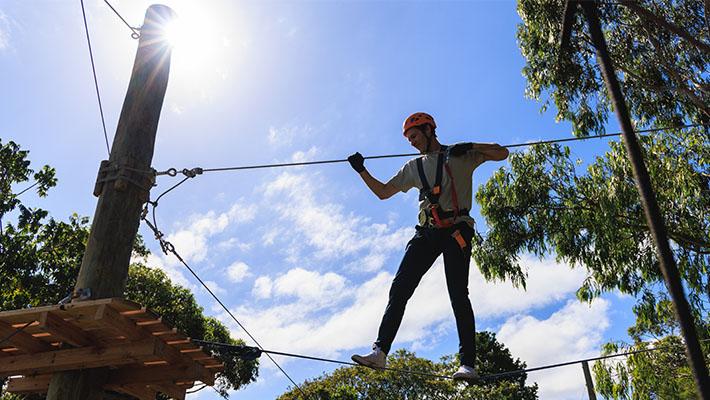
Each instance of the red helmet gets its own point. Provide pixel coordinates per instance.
(417, 119)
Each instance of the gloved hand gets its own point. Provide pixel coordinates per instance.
(460, 149)
(357, 161)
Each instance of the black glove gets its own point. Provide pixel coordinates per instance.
(460, 149)
(357, 162)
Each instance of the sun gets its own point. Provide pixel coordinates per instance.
(193, 39)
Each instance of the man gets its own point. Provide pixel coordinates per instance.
(444, 227)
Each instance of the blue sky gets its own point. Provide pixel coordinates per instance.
(303, 256)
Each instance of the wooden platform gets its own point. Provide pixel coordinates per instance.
(145, 355)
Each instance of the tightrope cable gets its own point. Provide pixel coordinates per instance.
(173, 171)
(482, 378)
(96, 81)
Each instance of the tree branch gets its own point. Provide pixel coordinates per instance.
(673, 73)
(645, 14)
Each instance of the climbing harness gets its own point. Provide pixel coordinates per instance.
(433, 215)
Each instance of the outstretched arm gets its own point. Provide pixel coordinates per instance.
(491, 151)
(381, 190)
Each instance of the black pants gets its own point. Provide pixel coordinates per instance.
(426, 245)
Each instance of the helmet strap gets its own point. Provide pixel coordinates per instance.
(428, 139)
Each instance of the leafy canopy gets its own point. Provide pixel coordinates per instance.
(592, 218)
(353, 383)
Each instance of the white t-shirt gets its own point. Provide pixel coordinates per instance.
(461, 167)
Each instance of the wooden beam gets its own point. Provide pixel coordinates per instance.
(82, 358)
(29, 384)
(23, 340)
(115, 320)
(51, 322)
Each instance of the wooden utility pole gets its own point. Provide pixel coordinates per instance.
(588, 381)
(123, 187)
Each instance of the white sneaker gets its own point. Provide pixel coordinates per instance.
(465, 373)
(376, 359)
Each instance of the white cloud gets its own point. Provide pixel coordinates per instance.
(311, 288)
(327, 314)
(322, 229)
(237, 272)
(214, 287)
(495, 299)
(262, 287)
(4, 31)
(573, 332)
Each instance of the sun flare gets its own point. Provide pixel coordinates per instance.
(194, 40)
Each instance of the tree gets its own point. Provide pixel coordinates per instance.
(592, 218)
(659, 49)
(663, 373)
(352, 383)
(40, 258)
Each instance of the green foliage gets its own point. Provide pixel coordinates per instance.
(353, 383)
(663, 76)
(544, 203)
(40, 260)
(658, 374)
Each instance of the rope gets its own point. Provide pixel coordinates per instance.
(482, 378)
(96, 82)
(173, 171)
(168, 247)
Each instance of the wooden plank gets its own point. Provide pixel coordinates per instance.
(22, 340)
(29, 384)
(86, 357)
(141, 392)
(157, 377)
(176, 392)
(51, 322)
(117, 321)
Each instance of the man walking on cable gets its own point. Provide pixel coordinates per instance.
(443, 175)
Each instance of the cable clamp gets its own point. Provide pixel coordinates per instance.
(191, 173)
